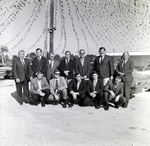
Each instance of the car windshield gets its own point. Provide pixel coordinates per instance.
(147, 67)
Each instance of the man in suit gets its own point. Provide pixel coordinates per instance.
(95, 90)
(113, 92)
(39, 63)
(124, 69)
(82, 65)
(39, 89)
(67, 66)
(22, 74)
(77, 91)
(104, 66)
(58, 89)
(52, 65)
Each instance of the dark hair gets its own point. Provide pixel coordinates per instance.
(68, 52)
(102, 48)
(38, 49)
(81, 50)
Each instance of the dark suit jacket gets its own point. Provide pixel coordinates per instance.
(34, 85)
(50, 71)
(110, 86)
(127, 69)
(106, 68)
(83, 70)
(98, 88)
(20, 71)
(42, 67)
(70, 68)
(73, 86)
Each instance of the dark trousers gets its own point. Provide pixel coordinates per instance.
(37, 98)
(108, 98)
(25, 85)
(127, 90)
(81, 100)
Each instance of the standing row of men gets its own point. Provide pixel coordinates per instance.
(72, 76)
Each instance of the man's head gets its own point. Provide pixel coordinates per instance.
(38, 52)
(117, 80)
(78, 77)
(51, 56)
(57, 74)
(67, 54)
(94, 76)
(21, 54)
(125, 56)
(82, 53)
(102, 51)
(39, 75)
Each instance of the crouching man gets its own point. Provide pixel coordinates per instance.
(95, 90)
(58, 89)
(113, 92)
(77, 90)
(39, 89)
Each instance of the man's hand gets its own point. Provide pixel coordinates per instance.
(31, 78)
(66, 72)
(117, 98)
(92, 94)
(18, 80)
(111, 77)
(74, 94)
(56, 97)
(112, 94)
(41, 94)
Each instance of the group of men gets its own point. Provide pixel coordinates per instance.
(73, 81)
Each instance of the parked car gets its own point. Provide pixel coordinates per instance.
(6, 71)
(141, 78)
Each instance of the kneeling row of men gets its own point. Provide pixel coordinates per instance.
(77, 91)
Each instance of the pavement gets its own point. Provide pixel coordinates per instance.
(52, 125)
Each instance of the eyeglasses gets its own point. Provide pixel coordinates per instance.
(57, 73)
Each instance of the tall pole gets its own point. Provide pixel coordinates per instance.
(51, 34)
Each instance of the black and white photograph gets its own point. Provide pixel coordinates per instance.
(75, 72)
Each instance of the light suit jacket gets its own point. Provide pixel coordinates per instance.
(34, 85)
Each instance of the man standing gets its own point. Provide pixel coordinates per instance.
(114, 93)
(52, 65)
(58, 89)
(82, 65)
(22, 74)
(39, 63)
(67, 66)
(124, 69)
(95, 90)
(104, 66)
(39, 89)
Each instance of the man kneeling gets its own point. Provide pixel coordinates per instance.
(113, 92)
(39, 89)
(58, 89)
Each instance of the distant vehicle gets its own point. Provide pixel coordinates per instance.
(6, 71)
(141, 79)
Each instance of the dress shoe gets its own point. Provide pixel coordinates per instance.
(21, 103)
(63, 105)
(42, 102)
(97, 107)
(70, 105)
(106, 107)
(116, 105)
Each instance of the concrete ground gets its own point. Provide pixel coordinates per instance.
(29, 125)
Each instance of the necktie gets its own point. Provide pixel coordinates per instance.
(22, 61)
(50, 64)
(56, 84)
(82, 61)
(94, 84)
(78, 84)
(67, 60)
(100, 59)
(123, 63)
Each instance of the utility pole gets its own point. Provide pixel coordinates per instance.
(51, 30)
